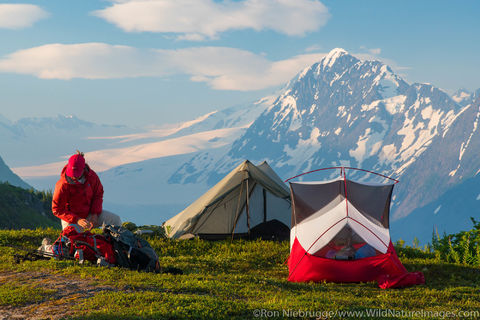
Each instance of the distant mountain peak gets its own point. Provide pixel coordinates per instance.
(333, 57)
(337, 60)
(335, 53)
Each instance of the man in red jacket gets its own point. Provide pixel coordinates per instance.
(78, 197)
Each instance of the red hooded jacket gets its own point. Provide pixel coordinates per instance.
(74, 201)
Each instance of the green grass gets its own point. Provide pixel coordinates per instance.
(230, 280)
(18, 295)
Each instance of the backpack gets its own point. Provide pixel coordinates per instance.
(84, 246)
(130, 250)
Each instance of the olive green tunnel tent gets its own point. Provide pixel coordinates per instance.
(249, 202)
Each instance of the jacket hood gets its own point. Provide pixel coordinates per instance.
(63, 174)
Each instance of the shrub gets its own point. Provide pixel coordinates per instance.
(462, 248)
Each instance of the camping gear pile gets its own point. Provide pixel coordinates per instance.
(117, 246)
(340, 233)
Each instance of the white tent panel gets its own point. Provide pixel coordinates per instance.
(376, 236)
(293, 233)
(319, 229)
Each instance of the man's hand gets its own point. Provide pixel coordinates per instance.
(93, 218)
(85, 224)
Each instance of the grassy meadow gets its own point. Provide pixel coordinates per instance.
(222, 280)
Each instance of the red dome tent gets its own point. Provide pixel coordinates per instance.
(340, 233)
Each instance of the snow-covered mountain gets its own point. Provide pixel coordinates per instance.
(238, 116)
(451, 158)
(345, 111)
(33, 141)
(451, 212)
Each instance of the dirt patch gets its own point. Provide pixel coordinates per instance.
(66, 293)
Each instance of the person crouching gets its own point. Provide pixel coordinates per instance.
(78, 197)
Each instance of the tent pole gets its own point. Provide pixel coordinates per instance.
(240, 208)
(247, 193)
(237, 211)
(345, 184)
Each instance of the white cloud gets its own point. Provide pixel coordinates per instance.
(197, 20)
(17, 16)
(373, 51)
(221, 67)
(314, 48)
(86, 60)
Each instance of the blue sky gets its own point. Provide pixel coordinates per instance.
(162, 61)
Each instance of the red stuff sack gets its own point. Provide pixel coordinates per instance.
(88, 246)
